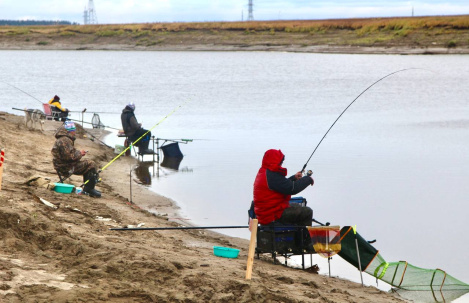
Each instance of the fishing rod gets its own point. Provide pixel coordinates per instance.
(94, 138)
(201, 227)
(77, 111)
(177, 228)
(304, 166)
(92, 124)
(22, 91)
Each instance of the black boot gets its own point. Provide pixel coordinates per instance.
(92, 178)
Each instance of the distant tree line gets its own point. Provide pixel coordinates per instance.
(35, 22)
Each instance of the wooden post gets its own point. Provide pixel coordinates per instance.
(252, 248)
(2, 159)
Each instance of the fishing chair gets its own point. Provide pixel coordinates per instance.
(63, 178)
(284, 240)
(50, 114)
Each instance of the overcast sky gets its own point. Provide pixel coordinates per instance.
(139, 11)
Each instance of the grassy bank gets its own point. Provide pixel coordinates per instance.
(448, 32)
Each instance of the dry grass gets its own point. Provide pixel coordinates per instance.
(444, 31)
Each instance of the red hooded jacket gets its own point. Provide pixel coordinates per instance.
(272, 190)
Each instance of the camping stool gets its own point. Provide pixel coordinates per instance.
(62, 178)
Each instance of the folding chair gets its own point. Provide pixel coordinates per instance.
(50, 114)
(63, 177)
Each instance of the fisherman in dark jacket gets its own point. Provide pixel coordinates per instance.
(68, 160)
(133, 130)
(272, 193)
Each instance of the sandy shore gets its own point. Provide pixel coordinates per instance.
(67, 252)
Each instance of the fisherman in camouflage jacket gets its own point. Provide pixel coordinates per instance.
(68, 160)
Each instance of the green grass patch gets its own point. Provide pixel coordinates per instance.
(18, 31)
(42, 43)
(451, 44)
(110, 33)
(148, 42)
(139, 34)
(67, 34)
(402, 32)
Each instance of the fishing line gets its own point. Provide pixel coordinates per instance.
(95, 138)
(304, 166)
(23, 91)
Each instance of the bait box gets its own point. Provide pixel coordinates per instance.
(225, 252)
(63, 188)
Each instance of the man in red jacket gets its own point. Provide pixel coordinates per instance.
(272, 193)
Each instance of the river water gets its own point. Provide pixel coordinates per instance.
(395, 164)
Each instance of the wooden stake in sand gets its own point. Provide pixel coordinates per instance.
(252, 248)
(2, 159)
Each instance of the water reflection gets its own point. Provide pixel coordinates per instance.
(171, 162)
(143, 172)
(172, 158)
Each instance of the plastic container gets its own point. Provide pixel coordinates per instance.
(63, 188)
(118, 149)
(225, 252)
(78, 190)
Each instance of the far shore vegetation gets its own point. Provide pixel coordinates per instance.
(35, 22)
(430, 31)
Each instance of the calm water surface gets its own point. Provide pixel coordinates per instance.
(396, 163)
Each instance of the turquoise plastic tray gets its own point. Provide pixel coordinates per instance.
(225, 252)
(63, 188)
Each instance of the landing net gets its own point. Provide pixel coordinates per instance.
(411, 282)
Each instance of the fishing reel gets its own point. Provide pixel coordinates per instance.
(309, 173)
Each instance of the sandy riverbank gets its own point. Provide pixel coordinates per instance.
(69, 254)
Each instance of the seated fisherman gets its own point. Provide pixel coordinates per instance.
(68, 160)
(133, 130)
(57, 109)
(272, 193)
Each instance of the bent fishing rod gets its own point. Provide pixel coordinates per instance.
(304, 166)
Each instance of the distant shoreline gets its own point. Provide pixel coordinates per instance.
(405, 35)
(318, 49)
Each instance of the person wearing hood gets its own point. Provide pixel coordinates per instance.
(133, 130)
(273, 190)
(59, 111)
(67, 160)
